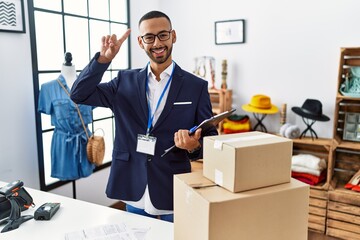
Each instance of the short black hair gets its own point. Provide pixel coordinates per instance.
(154, 14)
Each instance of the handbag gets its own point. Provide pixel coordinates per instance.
(95, 147)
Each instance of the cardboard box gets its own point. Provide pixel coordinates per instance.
(205, 211)
(245, 161)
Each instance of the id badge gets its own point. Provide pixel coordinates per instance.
(146, 144)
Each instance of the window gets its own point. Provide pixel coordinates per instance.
(60, 26)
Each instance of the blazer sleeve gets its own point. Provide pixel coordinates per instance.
(87, 88)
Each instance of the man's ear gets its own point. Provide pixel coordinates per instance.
(140, 42)
(173, 36)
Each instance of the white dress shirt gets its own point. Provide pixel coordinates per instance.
(155, 89)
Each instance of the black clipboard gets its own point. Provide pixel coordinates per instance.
(205, 125)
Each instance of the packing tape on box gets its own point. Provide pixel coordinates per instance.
(201, 185)
(189, 193)
(219, 143)
(219, 179)
(188, 196)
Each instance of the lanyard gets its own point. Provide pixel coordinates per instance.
(151, 117)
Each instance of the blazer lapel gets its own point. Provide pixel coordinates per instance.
(142, 94)
(176, 83)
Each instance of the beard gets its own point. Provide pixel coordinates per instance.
(160, 59)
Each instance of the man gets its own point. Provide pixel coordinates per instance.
(154, 108)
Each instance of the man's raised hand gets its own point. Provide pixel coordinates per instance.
(110, 46)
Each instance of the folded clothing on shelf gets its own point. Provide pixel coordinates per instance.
(308, 168)
(308, 161)
(300, 169)
(309, 178)
(236, 124)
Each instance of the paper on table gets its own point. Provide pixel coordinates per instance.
(103, 232)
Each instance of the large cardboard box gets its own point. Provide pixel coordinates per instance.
(205, 211)
(246, 161)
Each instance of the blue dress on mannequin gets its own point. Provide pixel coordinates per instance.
(68, 146)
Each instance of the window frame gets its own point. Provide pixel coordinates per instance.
(36, 72)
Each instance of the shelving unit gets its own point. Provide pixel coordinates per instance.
(221, 100)
(343, 211)
(333, 209)
(318, 201)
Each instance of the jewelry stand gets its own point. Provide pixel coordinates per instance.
(14, 220)
(259, 118)
(309, 124)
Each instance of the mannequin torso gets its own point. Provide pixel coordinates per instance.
(69, 73)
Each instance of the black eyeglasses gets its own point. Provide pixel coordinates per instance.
(162, 36)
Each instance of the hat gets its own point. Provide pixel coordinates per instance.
(312, 109)
(260, 104)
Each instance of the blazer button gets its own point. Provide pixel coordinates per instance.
(149, 159)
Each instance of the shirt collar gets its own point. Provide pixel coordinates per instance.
(166, 73)
(62, 80)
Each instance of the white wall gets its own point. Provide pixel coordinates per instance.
(291, 54)
(18, 151)
(138, 9)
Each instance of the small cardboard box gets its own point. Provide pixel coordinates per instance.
(245, 161)
(205, 211)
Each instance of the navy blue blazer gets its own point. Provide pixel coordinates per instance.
(125, 95)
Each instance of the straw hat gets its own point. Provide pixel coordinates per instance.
(260, 104)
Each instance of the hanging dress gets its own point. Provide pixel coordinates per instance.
(68, 145)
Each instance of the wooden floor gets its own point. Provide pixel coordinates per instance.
(318, 236)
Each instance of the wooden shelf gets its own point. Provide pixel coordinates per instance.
(334, 209)
(342, 97)
(221, 101)
(347, 145)
(343, 211)
(320, 186)
(310, 141)
(216, 110)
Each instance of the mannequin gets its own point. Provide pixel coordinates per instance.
(68, 145)
(68, 70)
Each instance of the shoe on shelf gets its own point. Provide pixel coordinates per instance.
(354, 181)
(356, 188)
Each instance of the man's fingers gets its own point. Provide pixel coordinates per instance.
(124, 37)
(112, 40)
(103, 41)
(197, 134)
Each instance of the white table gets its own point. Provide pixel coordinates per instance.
(75, 215)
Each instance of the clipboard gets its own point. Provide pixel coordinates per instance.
(205, 125)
